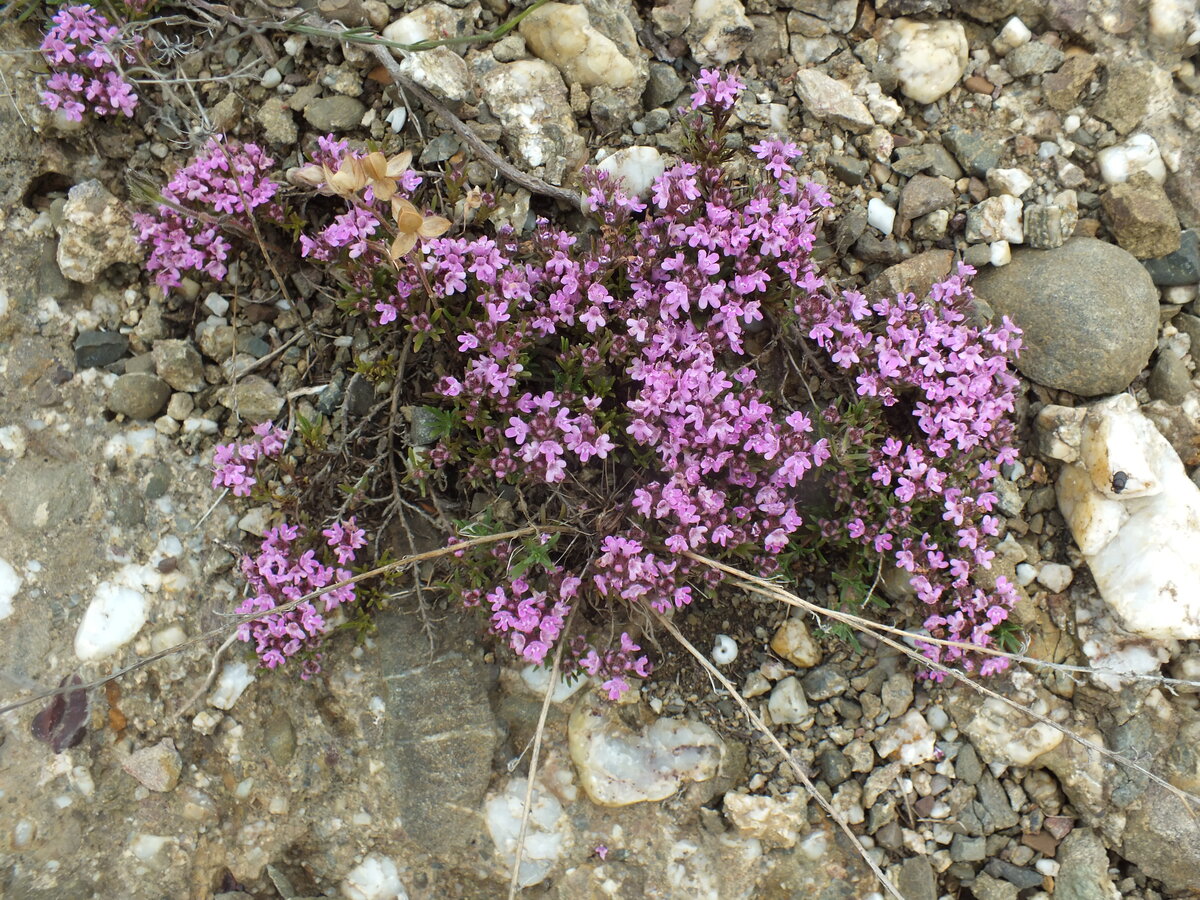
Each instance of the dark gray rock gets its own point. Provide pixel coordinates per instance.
(1020, 876)
(848, 169)
(1083, 868)
(94, 349)
(932, 158)
(1033, 58)
(833, 766)
(967, 767)
(976, 152)
(968, 849)
(662, 86)
(441, 730)
(921, 195)
(824, 682)
(139, 395)
(914, 879)
(1180, 267)
(1088, 310)
(1169, 379)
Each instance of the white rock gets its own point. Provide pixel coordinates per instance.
(1172, 22)
(719, 31)
(439, 69)
(1009, 181)
(618, 765)
(787, 703)
(12, 440)
(1026, 574)
(94, 233)
(1011, 36)
(999, 253)
(375, 878)
(530, 100)
(725, 650)
(562, 35)
(396, 119)
(795, 644)
(928, 57)
(1006, 735)
(883, 109)
(880, 215)
(545, 837)
(1135, 515)
(10, 583)
(235, 678)
(910, 740)
(537, 679)
(1055, 577)
(113, 618)
(1139, 153)
(636, 168)
(996, 219)
(830, 100)
(776, 821)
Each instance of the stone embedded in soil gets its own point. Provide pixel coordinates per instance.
(1139, 153)
(1170, 379)
(1083, 868)
(253, 397)
(545, 836)
(95, 232)
(375, 878)
(157, 767)
(832, 101)
(1088, 310)
(94, 349)
(928, 57)
(795, 643)
(776, 821)
(1003, 734)
(1062, 88)
(996, 219)
(1050, 225)
(178, 363)
(910, 740)
(618, 766)
(1033, 58)
(563, 35)
(1180, 267)
(530, 100)
(1122, 103)
(1135, 516)
(335, 114)
(1141, 217)
(113, 618)
(787, 704)
(718, 31)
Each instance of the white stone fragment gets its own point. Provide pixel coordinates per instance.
(996, 219)
(146, 847)
(1139, 153)
(10, 583)
(1026, 574)
(235, 678)
(618, 765)
(910, 740)
(776, 821)
(999, 253)
(1055, 577)
(397, 119)
(1135, 515)
(375, 878)
(113, 618)
(787, 703)
(635, 168)
(1006, 735)
(545, 837)
(928, 57)
(1014, 182)
(718, 31)
(1011, 36)
(562, 34)
(537, 679)
(725, 650)
(880, 215)
(12, 441)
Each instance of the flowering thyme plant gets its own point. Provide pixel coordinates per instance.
(80, 51)
(221, 188)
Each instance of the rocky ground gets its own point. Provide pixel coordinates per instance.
(1056, 152)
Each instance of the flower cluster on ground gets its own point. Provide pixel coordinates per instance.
(614, 379)
(80, 50)
(285, 570)
(222, 188)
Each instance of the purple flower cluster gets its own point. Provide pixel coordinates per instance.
(614, 378)
(79, 49)
(234, 464)
(283, 572)
(226, 184)
(922, 494)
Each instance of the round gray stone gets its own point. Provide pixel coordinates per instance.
(1089, 313)
(139, 395)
